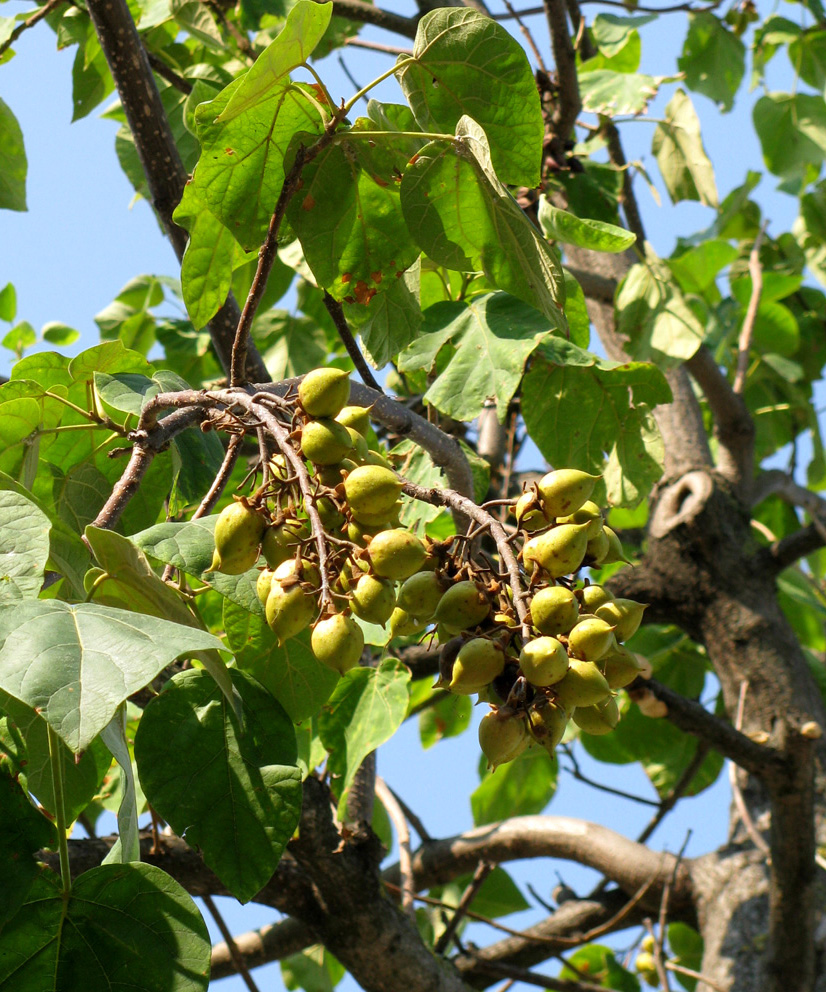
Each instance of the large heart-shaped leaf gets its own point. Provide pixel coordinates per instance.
(233, 790)
(123, 926)
(24, 547)
(75, 664)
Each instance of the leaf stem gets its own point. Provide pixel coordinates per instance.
(321, 86)
(427, 135)
(366, 89)
(60, 810)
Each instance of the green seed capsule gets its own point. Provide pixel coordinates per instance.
(337, 642)
(565, 490)
(238, 533)
(503, 736)
(543, 661)
(554, 610)
(559, 551)
(325, 442)
(323, 392)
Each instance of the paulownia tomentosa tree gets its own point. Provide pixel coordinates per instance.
(431, 229)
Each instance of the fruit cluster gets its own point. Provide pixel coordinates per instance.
(540, 655)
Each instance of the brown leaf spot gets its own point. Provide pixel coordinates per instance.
(363, 292)
(346, 277)
(229, 151)
(376, 277)
(308, 202)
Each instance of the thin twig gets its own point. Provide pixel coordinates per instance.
(165, 72)
(376, 47)
(690, 973)
(676, 793)
(398, 820)
(747, 330)
(336, 311)
(412, 818)
(659, 962)
(532, 978)
(578, 775)
(30, 22)
(483, 869)
(687, 7)
(737, 795)
(527, 35)
(237, 958)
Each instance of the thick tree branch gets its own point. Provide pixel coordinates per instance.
(366, 13)
(158, 153)
(271, 943)
(568, 104)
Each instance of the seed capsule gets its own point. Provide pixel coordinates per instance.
(554, 610)
(263, 583)
(373, 599)
(401, 624)
(502, 736)
(323, 392)
(420, 594)
(584, 685)
(543, 661)
(601, 718)
(620, 667)
(589, 513)
(565, 490)
(530, 512)
(478, 662)
(463, 605)
(325, 442)
(371, 492)
(281, 540)
(289, 609)
(591, 639)
(357, 417)
(625, 615)
(559, 551)
(547, 721)
(337, 642)
(238, 533)
(396, 554)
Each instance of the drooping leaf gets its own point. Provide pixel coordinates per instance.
(465, 64)
(348, 216)
(611, 32)
(465, 219)
(121, 923)
(493, 336)
(292, 673)
(75, 664)
(13, 165)
(807, 52)
(610, 93)
(127, 847)
(792, 131)
(91, 79)
(697, 268)
(449, 717)
(654, 316)
(241, 170)
(231, 788)
(713, 59)
(24, 546)
(303, 29)
(366, 708)
(687, 946)
(518, 788)
(561, 225)
(579, 408)
(23, 831)
(678, 147)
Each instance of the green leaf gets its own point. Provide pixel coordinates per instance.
(416, 465)
(611, 32)
(13, 167)
(121, 924)
(198, 457)
(697, 269)
(519, 788)
(560, 225)
(8, 294)
(20, 337)
(206, 269)
(288, 344)
(241, 170)
(601, 966)
(465, 219)
(465, 64)
(348, 216)
(449, 717)
(686, 170)
(713, 59)
(807, 53)
(91, 79)
(32, 762)
(610, 93)
(23, 831)
(314, 970)
(391, 320)
(578, 408)
(366, 709)
(792, 132)
(498, 895)
(60, 334)
(576, 312)
(653, 315)
(24, 547)
(232, 790)
(493, 336)
(687, 945)
(292, 673)
(75, 664)
(127, 847)
(304, 28)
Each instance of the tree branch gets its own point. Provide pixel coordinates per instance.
(271, 943)
(746, 331)
(568, 104)
(336, 311)
(156, 148)
(366, 13)
(30, 22)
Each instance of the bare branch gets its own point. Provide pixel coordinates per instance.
(125, 488)
(747, 330)
(30, 22)
(336, 311)
(271, 943)
(366, 13)
(237, 960)
(568, 103)
(374, 46)
(791, 549)
(483, 869)
(398, 820)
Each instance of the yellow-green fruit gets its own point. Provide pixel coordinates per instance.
(543, 661)
(547, 721)
(615, 552)
(420, 594)
(356, 417)
(377, 458)
(325, 442)
(565, 490)
(323, 392)
(503, 736)
(593, 596)
(478, 662)
(396, 554)
(307, 572)
(373, 599)
(378, 521)
(591, 639)
(401, 624)
(589, 513)
(289, 609)
(337, 642)
(463, 605)
(584, 685)
(529, 512)
(360, 449)
(332, 519)
(647, 967)
(625, 615)
(361, 533)
(597, 548)
(554, 610)
(620, 667)
(281, 540)
(262, 585)
(559, 551)
(601, 718)
(332, 475)
(372, 491)
(238, 533)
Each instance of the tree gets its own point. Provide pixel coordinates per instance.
(427, 237)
